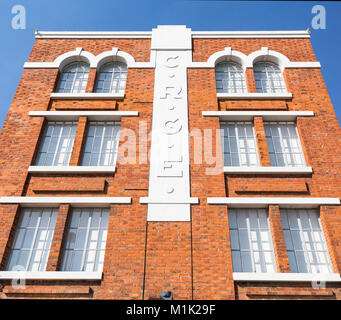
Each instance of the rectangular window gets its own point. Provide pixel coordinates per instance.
(306, 246)
(86, 240)
(239, 144)
(101, 144)
(56, 145)
(251, 242)
(283, 144)
(32, 241)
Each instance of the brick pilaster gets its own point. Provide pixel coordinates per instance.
(8, 217)
(58, 238)
(261, 142)
(91, 80)
(78, 143)
(250, 80)
(278, 239)
(330, 217)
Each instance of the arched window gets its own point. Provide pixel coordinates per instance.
(112, 78)
(74, 77)
(268, 77)
(229, 77)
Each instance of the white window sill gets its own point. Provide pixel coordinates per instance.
(254, 95)
(286, 277)
(74, 201)
(263, 202)
(268, 170)
(50, 275)
(71, 169)
(87, 95)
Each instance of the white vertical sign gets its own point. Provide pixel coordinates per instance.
(169, 180)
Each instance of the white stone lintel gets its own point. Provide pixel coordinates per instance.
(254, 96)
(267, 115)
(86, 96)
(74, 201)
(71, 169)
(255, 202)
(92, 115)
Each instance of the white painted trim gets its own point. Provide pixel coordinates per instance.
(227, 55)
(267, 115)
(146, 200)
(268, 170)
(286, 277)
(74, 201)
(50, 275)
(93, 34)
(86, 95)
(148, 34)
(71, 169)
(92, 115)
(255, 202)
(254, 95)
(251, 34)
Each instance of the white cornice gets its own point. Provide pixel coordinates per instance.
(86, 96)
(267, 115)
(148, 34)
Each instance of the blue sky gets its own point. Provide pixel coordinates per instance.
(113, 15)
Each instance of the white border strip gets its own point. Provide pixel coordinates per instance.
(284, 277)
(251, 34)
(254, 95)
(267, 115)
(71, 169)
(92, 115)
(74, 201)
(255, 202)
(50, 275)
(146, 200)
(86, 95)
(268, 170)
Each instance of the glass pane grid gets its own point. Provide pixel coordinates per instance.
(112, 78)
(269, 78)
(239, 144)
(306, 246)
(251, 243)
(32, 242)
(230, 78)
(283, 144)
(74, 78)
(101, 144)
(86, 240)
(56, 145)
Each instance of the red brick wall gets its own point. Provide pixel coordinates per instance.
(193, 259)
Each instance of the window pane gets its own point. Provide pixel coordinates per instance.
(73, 77)
(230, 77)
(304, 239)
(251, 243)
(101, 144)
(87, 236)
(33, 238)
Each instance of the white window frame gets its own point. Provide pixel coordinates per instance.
(251, 250)
(83, 80)
(121, 82)
(115, 138)
(301, 153)
(49, 229)
(289, 239)
(231, 82)
(85, 249)
(223, 125)
(56, 153)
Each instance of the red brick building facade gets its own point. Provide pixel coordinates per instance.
(252, 214)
